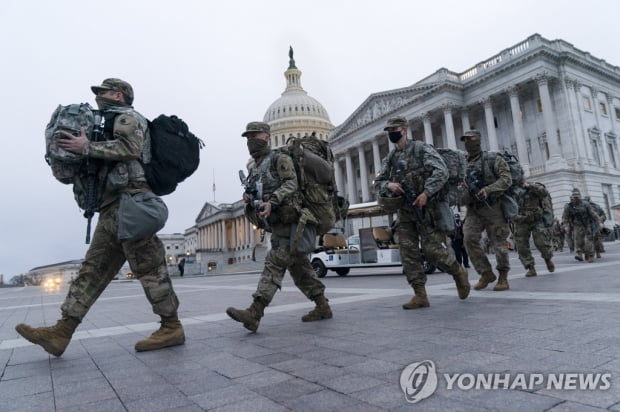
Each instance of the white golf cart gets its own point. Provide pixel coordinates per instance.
(372, 246)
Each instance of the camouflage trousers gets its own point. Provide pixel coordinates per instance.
(598, 243)
(105, 257)
(411, 234)
(583, 240)
(558, 241)
(570, 241)
(278, 260)
(492, 220)
(542, 240)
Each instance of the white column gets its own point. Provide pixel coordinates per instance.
(351, 192)
(597, 115)
(363, 173)
(224, 235)
(376, 156)
(513, 93)
(488, 115)
(465, 119)
(612, 111)
(428, 132)
(585, 137)
(447, 116)
(252, 234)
(551, 128)
(338, 175)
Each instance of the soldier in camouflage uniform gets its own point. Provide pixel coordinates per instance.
(125, 146)
(418, 165)
(529, 222)
(584, 220)
(484, 213)
(280, 208)
(598, 238)
(558, 235)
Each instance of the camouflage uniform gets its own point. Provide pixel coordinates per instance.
(487, 216)
(558, 235)
(121, 172)
(427, 173)
(584, 220)
(598, 237)
(529, 222)
(276, 172)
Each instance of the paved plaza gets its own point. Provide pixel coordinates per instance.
(563, 325)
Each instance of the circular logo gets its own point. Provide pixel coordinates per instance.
(418, 381)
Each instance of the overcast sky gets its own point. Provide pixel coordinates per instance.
(220, 64)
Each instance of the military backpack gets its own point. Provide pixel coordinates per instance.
(547, 206)
(314, 165)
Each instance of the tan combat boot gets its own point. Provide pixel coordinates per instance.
(550, 265)
(170, 333)
(502, 282)
(461, 280)
(485, 279)
(250, 317)
(54, 339)
(321, 311)
(420, 300)
(531, 271)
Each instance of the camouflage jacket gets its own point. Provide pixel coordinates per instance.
(276, 172)
(496, 178)
(422, 166)
(579, 213)
(121, 152)
(530, 207)
(599, 211)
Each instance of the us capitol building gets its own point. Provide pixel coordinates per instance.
(556, 107)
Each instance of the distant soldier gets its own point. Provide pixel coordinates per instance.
(414, 166)
(582, 217)
(558, 235)
(457, 242)
(529, 222)
(598, 238)
(485, 213)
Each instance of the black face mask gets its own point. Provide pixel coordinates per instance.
(394, 136)
(104, 103)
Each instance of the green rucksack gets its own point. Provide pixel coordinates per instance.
(314, 165)
(547, 206)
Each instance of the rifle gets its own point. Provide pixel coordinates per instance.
(92, 167)
(475, 185)
(410, 194)
(256, 197)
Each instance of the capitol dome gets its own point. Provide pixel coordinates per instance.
(295, 114)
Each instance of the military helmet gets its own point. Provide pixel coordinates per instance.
(390, 203)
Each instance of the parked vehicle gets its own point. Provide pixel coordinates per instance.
(372, 246)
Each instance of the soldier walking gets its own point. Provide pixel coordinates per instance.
(558, 235)
(584, 220)
(529, 222)
(414, 166)
(598, 238)
(121, 153)
(277, 212)
(484, 212)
